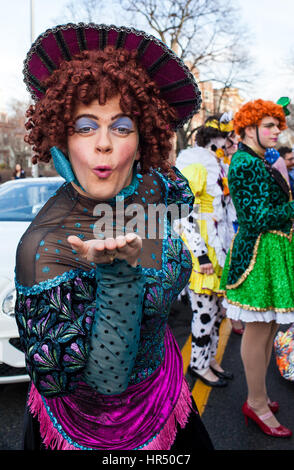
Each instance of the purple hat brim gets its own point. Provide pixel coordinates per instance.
(175, 81)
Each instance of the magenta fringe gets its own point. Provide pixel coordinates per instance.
(49, 434)
(165, 439)
(162, 441)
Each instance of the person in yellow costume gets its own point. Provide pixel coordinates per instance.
(207, 232)
(231, 147)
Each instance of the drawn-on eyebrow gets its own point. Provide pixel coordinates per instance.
(121, 115)
(92, 116)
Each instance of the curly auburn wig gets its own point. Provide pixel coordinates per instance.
(101, 75)
(206, 133)
(251, 114)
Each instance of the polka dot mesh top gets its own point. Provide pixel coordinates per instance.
(103, 324)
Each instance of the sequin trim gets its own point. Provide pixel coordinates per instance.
(257, 309)
(46, 285)
(250, 267)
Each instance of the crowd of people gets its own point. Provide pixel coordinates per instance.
(92, 304)
(250, 272)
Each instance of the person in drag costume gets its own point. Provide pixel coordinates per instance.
(258, 276)
(207, 232)
(93, 296)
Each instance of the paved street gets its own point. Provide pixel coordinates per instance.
(223, 417)
(222, 412)
(12, 403)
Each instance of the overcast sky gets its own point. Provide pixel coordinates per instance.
(270, 21)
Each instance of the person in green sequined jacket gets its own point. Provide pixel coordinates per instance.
(257, 280)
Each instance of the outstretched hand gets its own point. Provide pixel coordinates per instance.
(126, 247)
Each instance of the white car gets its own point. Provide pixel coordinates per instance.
(20, 201)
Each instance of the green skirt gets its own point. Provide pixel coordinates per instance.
(270, 284)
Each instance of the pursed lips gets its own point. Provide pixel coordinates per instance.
(102, 171)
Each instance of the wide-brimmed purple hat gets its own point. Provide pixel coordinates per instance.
(175, 81)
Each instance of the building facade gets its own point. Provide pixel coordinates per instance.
(215, 100)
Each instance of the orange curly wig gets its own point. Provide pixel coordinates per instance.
(251, 114)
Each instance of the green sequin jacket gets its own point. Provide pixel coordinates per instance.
(261, 198)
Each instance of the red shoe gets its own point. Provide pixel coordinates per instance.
(273, 406)
(279, 431)
(238, 331)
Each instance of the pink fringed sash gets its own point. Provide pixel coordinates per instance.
(144, 417)
(166, 437)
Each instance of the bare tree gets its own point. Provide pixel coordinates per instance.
(88, 11)
(12, 134)
(201, 32)
(82, 10)
(13, 148)
(285, 72)
(206, 34)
